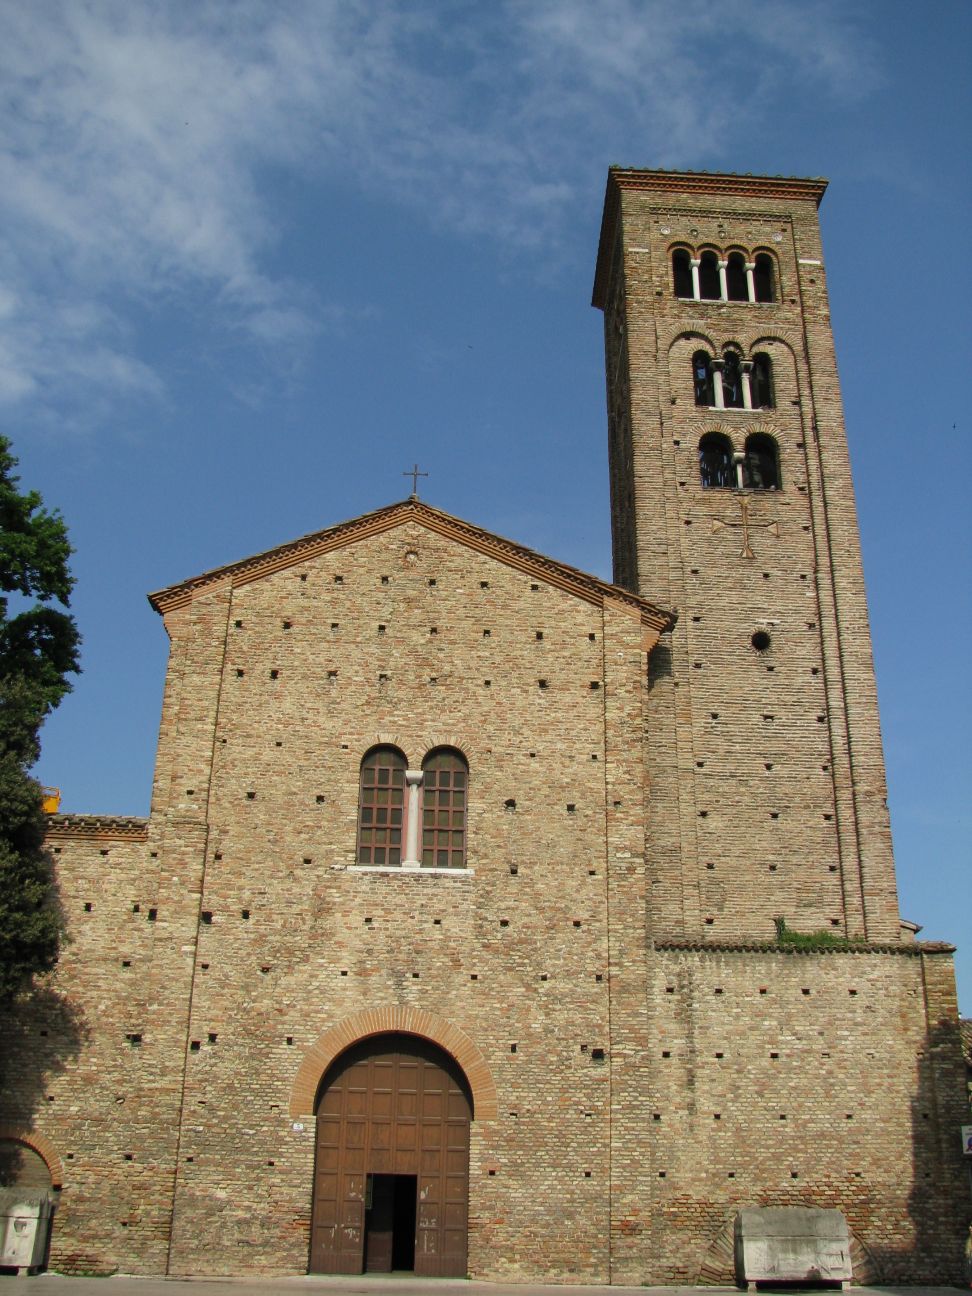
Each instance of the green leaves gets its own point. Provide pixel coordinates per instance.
(34, 548)
(38, 650)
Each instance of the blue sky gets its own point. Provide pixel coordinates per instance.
(260, 257)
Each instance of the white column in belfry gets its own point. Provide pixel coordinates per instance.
(746, 369)
(694, 262)
(750, 281)
(718, 392)
(723, 281)
(413, 818)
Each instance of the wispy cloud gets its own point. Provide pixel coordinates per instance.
(140, 136)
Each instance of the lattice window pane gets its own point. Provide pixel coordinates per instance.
(380, 800)
(445, 776)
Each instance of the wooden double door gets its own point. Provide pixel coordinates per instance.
(391, 1176)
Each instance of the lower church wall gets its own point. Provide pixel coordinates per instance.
(824, 1078)
(732, 1077)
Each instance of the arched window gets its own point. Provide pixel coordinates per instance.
(445, 779)
(732, 387)
(381, 807)
(764, 278)
(737, 288)
(702, 378)
(715, 461)
(682, 273)
(761, 382)
(709, 286)
(762, 466)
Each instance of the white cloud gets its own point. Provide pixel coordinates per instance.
(138, 136)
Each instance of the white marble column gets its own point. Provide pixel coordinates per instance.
(413, 818)
(718, 393)
(694, 262)
(750, 281)
(723, 281)
(740, 461)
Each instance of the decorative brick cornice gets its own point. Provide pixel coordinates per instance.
(790, 188)
(708, 183)
(97, 827)
(569, 579)
(909, 949)
(387, 1019)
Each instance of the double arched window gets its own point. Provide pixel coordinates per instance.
(412, 818)
(756, 469)
(714, 276)
(729, 382)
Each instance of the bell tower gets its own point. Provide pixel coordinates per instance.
(732, 503)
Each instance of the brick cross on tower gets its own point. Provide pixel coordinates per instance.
(746, 552)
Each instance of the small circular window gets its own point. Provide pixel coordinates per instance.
(761, 641)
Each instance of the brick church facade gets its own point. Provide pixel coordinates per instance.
(493, 918)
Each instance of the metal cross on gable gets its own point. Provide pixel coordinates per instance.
(747, 550)
(414, 473)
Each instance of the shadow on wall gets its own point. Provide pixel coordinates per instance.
(939, 1204)
(42, 1033)
(660, 662)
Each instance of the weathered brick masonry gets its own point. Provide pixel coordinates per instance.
(648, 795)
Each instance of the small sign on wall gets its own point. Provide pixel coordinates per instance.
(967, 1140)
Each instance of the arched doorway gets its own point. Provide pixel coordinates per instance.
(391, 1174)
(22, 1167)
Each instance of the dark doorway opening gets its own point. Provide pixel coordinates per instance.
(390, 1223)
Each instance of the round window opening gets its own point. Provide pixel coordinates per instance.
(761, 641)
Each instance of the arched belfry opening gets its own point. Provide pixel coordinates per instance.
(391, 1172)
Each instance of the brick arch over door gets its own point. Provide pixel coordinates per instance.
(380, 1021)
(40, 1144)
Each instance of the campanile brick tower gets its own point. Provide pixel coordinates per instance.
(732, 502)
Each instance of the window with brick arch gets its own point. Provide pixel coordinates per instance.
(445, 783)
(737, 289)
(762, 463)
(710, 288)
(682, 273)
(761, 382)
(732, 381)
(702, 378)
(764, 279)
(381, 807)
(716, 466)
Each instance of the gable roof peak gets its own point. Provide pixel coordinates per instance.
(574, 581)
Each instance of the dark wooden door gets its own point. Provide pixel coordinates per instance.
(393, 1105)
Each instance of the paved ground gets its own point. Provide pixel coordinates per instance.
(368, 1285)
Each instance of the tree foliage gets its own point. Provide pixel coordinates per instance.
(38, 650)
